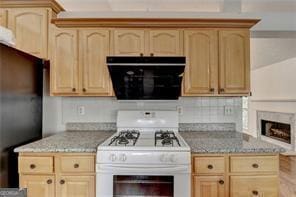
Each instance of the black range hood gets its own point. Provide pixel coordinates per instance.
(146, 78)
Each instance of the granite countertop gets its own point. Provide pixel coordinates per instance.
(69, 141)
(200, 142)
(227, 142)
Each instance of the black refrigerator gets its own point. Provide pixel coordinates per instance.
(21, 89)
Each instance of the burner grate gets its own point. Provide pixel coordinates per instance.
(127, 137)
(167, 138)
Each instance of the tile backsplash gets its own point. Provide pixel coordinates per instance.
(193, 110)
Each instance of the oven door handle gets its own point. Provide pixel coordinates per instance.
(142, 168)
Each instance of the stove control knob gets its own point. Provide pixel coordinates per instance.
(112, 157)
(122, 157)
(173, 158)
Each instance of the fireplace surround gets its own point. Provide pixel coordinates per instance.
(277, 128)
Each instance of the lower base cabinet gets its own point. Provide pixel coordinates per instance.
(38, 185)
(255, 186)
(212, 186)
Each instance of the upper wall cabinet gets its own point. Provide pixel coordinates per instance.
(201, 51)
(3, 17)
(165, 42)
(94, 48)
(30, 28)
(64, 62)
(234, 61)
(129, 42)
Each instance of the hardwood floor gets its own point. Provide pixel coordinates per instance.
(287, 176)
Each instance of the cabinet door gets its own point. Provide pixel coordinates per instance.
(30, 26)
(255, 186)
(165, 43)
(64, 62)
(234, 53)
(129, 42)
(201, 73)
(38, 185)
(95, 47)
(3, 17)
(208, 186)
(76, 186)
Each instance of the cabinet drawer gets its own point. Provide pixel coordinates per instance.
(35, 164)
(208, 165)
(77, 164)
(246, 186)
(254, 164)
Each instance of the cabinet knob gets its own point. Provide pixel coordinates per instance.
(212, 89)
(76, 165)
(32, 166)
(151, 54)
(255, 192)
(73, 89)
(222, 90)
(141, 54)
(49, 181)
(255, 165)
(221, 182)
(84, 90)
(210, 166)
(62, 182)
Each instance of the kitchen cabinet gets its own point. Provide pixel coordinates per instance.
(94, 48)
(201, 72)
(58, 174)
(146, 42)
(38, 185)
(76, 186)
(212, 186)
(30, 27)
(64, 62)
(234, 61)
(129, 42)
(165, 42)
(3, 17)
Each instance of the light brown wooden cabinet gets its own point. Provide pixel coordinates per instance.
(208, 186)
(38, 185)
(147, 42)
(70, 175)
(3, 17)
(234, 61)
(201, 72)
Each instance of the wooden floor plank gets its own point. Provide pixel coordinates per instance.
(287, 176)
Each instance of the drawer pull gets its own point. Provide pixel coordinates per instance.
(49, 181)
(32, 166)
(255, 192)
(141, 54)
(212, 90)
(255, 165)
(62, 182)
(73, 89)
(221, 182)
(210, 166)
(76, 165)
(84, 89)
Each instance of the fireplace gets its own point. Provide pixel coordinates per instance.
(276, 130)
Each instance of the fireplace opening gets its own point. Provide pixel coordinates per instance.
(276, 130)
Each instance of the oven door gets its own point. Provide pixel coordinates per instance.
(143, 180)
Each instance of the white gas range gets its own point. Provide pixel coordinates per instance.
(145, 157)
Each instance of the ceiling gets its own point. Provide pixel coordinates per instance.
(179, 5)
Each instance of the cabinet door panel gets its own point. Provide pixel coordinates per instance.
(3, 17)
(201, 51)
(94, 50)
(208, 186)
(165, 43)
(64, 65)
(38, 185)
(30, 27)
(234, 50)
(259, 186)
(76, 186)
(129, 42)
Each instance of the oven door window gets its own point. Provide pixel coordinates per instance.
(143, 186)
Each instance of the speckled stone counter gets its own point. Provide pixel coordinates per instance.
(227, 142)
(69, 141)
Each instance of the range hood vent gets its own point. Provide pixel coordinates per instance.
(146, 78)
